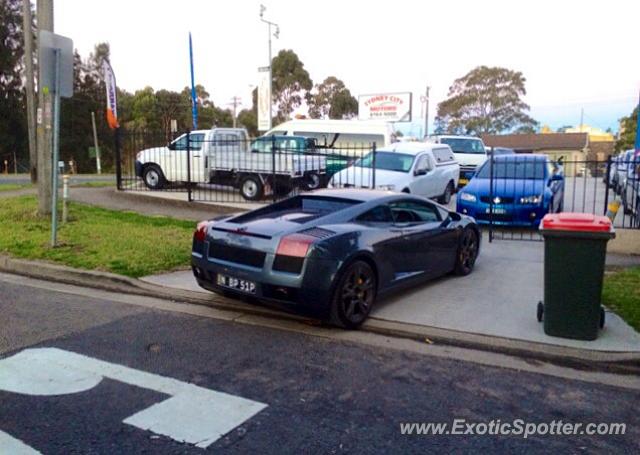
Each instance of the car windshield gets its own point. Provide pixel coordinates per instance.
(510, 169)
(462, 145)
(388, 161)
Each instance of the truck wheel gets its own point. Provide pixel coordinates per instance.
(312, 182)
(153, 177)
(251, 188)
(446, 196)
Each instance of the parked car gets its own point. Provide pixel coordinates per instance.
(624, 159)
(613, 174)
(631, 190)
(469, 151)
(299, 144)
(518, 191)
(421, 168)
(496, 151)
(222, 156)
(331, 253)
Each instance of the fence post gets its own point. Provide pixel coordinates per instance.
(373, 165)
(188, 166)
(491, 162)
(606, 185)
(273, 168)
(118, 158)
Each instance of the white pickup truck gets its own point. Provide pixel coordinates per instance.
(468, 150)
(421, 168)
(223, 156)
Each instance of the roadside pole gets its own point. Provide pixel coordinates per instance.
(65, 198)
(426, 115)
(56, 79)
(95, 143)
(56, 150)
(44, 166)
(30, 89)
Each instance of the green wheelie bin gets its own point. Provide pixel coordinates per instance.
(575, 247)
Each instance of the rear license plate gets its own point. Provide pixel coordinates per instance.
(463, 181)
(496, 210)
(236, 283)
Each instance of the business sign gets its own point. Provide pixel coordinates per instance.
(394, 107)
(264, 96)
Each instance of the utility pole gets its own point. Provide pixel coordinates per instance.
(276, 34)
(95, 143)
(426, 114)
(581, 118)
(30, 89)
(235, 102)
(44, 14)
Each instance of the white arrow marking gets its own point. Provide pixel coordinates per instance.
(13, 446)
(193, 414)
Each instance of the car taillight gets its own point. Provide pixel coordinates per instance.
(296, 245)
(201, 231)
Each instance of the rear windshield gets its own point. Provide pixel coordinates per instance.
(389, 161)
(511, 169)
(313, 206)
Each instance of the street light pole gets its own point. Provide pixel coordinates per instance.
(426, 115)
(276, 34)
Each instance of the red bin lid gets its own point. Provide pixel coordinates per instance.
(584, 222)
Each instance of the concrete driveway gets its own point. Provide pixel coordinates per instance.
(498, 299)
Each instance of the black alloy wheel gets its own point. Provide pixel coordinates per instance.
(354, 295)
(467, 252)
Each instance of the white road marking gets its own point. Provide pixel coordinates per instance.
(12, 446)
(193, 414)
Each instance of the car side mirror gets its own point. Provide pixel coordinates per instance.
(421, 172)
(171, 146)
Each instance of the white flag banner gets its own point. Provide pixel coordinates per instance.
(110, 83)
(264, 95)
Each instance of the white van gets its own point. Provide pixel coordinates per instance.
(338, 134)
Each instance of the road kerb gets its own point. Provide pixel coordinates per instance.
(581, 358)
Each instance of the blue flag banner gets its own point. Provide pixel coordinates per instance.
(194, 99)
(638, 133)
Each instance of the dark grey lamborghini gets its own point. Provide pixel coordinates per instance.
(330, 253)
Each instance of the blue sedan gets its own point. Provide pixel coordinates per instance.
(514, 190)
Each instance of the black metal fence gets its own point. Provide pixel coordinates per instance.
(517, 193)
(228, 167)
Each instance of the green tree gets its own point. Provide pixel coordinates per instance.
(332, 99)
(628, 126)
(13, 126)
(290, 83)
(485, 100)
(248, 118)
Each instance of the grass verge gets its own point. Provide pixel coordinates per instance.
(14, 186)
(621, 293)
(98, 239)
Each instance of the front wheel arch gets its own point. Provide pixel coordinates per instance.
(364, 256)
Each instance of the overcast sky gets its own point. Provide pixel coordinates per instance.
(573, 53)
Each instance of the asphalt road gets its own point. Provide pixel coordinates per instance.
(321, 395)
